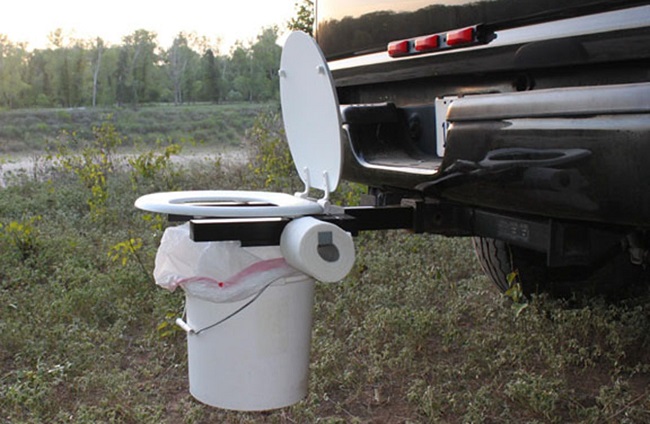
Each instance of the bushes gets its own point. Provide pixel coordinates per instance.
(215, 125)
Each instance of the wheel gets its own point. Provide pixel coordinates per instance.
(614, 279)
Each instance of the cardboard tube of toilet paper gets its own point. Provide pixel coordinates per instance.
(319, 249)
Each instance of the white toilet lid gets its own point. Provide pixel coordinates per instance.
(310, 110)
(228, 204)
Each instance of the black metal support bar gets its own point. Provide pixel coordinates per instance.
(382, 218)
(251, 231)
(564, 243)
(267, 231)
(447, 219)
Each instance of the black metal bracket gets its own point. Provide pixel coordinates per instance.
(267, 231)
(564, 243)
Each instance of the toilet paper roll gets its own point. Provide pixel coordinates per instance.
(319, 249)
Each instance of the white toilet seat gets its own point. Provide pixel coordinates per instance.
(312, 121)
(228, 204)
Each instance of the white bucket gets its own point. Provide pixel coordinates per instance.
(258, 359)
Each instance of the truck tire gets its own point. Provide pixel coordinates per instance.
(615, 279)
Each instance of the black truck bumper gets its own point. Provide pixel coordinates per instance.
(571, 153)
(610, 184)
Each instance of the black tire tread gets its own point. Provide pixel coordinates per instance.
(615, 278)
(495, 259)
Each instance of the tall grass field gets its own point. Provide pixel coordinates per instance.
(33, 130)
(414, 334)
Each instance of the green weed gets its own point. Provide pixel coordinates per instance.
(124, 251)
(271, 161)
(21, 235)
(153, 168)
(93, 164)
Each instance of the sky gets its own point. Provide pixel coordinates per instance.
(230, 20)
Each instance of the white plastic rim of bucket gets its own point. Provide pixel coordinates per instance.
(257, 360)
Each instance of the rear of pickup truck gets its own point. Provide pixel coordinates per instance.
(524, 124)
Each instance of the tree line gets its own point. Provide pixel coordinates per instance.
(88, 73)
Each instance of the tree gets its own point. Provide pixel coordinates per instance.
(73, 72)
(107, 82)
(67, 64)
(64, 81)
(304, 19)
(11, 62)
(96, 65)
(266, 63)
(182, 67)
(122, 78)
(141, 60)
(177, 58)
(38, 79)
(56, 38)
(239, 73)
(211, 78)
(79, 73)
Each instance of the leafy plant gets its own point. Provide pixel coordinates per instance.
(271, 158)
(93, 164)
(515, 292)
(154, 167)
(123, 251)
(22, 235)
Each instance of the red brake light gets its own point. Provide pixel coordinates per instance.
(398, 48)
(430, 42)
(461, 36)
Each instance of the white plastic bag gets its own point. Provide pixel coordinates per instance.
(216, 271)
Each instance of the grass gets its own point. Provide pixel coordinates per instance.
(414, 334)
(28, 130)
